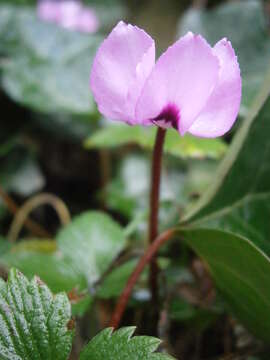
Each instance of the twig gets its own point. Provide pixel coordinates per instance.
(145, 259)
(40, 199)
(31, 225)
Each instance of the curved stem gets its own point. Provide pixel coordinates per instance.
(40, 199)
(31, 225)
(154, 207)
(150, 253)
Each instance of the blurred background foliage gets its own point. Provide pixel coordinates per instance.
(53, 140)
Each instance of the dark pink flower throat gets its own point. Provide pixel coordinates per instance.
(169, 117)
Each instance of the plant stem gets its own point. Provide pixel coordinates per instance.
(31, 225)
(40, 199)
(148, 256)
(154, 207)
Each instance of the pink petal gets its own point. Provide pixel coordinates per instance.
(120, 69)
(87, 21)
(69, 13)
(183, 78)
(222, 108)
(48, 10)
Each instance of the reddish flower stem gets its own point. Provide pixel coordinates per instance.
(154, 208)
(145, 259)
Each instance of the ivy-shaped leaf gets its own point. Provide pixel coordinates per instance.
(120, 345)
(34, 324)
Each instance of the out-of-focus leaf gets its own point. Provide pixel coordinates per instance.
(115, 282)
(41, 257)
(193, 317)
(251, 42)
(43, 246)
(120, 345)
(7, 146)
(185, 147)
(90, 243)
(20, 172)
(248, 217)
(241, 272)
(67, 126)
(83, 251)
(36, 258)
(128, 193)
(34, 323)
(47, 67)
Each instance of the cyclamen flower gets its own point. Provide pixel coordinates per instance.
(70, 14)
(192, 87)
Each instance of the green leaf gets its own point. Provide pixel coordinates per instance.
(47, 66)
(252, 43)
(244, 171)
(248, 217)
(51, 268)
(20, 172)
(83, 251)
(115, 282)
(34, 324)
(193, 317)
(90, 243)
(188, 146)
(241, 272)
(120, 345)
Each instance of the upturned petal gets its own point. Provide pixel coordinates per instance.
(181, 83)
(120, 69)
(222, 107)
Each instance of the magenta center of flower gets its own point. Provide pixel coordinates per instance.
(169, 117)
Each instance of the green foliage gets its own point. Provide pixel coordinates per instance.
(238, 201)
(84, 251)
(112, 136)
(34, 323)
(51, 268)
(47, 66)
(115, 282)
(193, 317)
(248, 217)
(90, 244)
(20, 172)
(120, 345)
(241, 272)
(249, 38)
